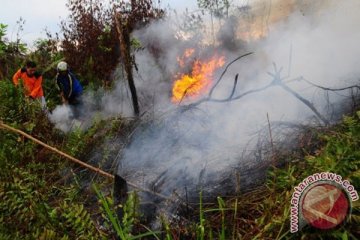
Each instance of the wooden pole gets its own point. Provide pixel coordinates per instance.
(92, 168)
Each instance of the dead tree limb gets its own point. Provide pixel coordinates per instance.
(277, 81)
(306, 102)
(186, 91)
(208, 99)
(234, 87)
(225, 70)
(331, 89)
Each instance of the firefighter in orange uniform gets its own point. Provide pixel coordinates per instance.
(32, 81)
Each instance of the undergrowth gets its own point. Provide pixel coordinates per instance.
(42, 196)
(40, 193)
(264, 213)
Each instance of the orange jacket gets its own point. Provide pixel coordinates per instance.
(32, 84)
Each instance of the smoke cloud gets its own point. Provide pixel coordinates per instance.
(199, 148)
(205, 147)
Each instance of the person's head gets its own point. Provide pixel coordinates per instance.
(62, 67)
(30, 68)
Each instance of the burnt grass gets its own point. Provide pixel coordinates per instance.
(250, 208)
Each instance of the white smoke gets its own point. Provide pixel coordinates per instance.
(316, 42)
(62, 116)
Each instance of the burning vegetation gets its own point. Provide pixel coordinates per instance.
(201, 135)
(198, 82)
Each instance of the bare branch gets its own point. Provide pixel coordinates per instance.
(226, 68)
(208, 99)
(331, 89)
(306, 102)
(186, 90)
(234, 87)
(244, 94)
(278, 80)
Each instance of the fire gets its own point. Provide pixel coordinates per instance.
(186, 56)
(199, 81)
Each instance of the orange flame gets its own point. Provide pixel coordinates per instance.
(187, 54)
(199, 81)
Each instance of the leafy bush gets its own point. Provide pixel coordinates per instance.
(29, 208)
(32, 203)
(90, 40)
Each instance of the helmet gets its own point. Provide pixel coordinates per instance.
(62, 66)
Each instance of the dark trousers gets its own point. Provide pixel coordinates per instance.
(76, 104)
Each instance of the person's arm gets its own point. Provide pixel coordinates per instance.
(60, 88)
(37, 91)
(70, 85)
(57, 83)
(16, 77)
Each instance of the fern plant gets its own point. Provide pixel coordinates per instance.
(123, 227)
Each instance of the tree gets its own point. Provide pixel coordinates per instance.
(219, 8)
(216, 8)
(90, 39)
(131, 16)
(2, 46)
(12, 53)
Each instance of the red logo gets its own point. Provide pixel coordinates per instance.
(325, 206)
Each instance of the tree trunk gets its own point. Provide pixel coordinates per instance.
(124, 39)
